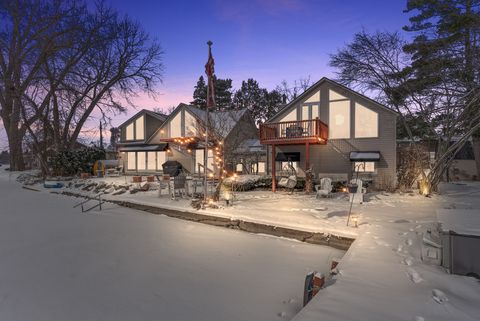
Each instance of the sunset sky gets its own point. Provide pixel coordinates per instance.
(268, 40)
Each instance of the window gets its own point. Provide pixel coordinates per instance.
(151, 161)
(199, 160)
(176, 126)
(130, 134)
(210, 160)
(336, 96)
(315, 112)
(365, 167)
(141, 160)
(305, 112)
(239, 168)
(366, 122)
(131, 161)
(139, 128)
(292, 116)
(339, 119)
(190, 125)
(260, 166)
(161, 158)
(315, 98)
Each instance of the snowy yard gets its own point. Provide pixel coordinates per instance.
(124, 264)
(60, 264)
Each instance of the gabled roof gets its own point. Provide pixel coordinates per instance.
(313, 88)
(160, 117)
(229, 118)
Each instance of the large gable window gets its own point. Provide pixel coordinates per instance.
(176, 126)
(339, 119)
(315, 98)
(139, 128)
(292, 116)
(366, 122)
(190, 125)
(130, 132)
(136, 129)
(335, 96)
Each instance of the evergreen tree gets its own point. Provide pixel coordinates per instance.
(252, 97)
(200, 93)
(223, 93)
(446, 54)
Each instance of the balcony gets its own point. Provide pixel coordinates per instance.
(294, 132)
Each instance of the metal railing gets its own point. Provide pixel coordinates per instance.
(294, 130)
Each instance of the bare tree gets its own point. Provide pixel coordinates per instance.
(29, 34)
(376, 64)
(99, 61)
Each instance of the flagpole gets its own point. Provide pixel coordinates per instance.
(205, 168)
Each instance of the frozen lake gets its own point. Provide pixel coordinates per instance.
(59, 264)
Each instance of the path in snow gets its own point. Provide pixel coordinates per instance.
(59, 264)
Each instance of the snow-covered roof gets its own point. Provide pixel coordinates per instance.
(223, 121)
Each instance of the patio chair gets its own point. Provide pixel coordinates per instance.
(325, 187)
(163, 184)
(179, 183)
(358, 198)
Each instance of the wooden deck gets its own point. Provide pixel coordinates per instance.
(312, 131)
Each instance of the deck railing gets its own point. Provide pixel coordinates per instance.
(300, 130)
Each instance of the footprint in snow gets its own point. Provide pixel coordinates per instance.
(414, 276)
(402, 233)
(400, 248)
(282, 314)
(418, 226)
(408, 261)
(439, 296)
(409, 242)
(383, 243)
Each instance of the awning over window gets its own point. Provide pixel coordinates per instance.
(144, 148)
(284, 157)
(364, 156)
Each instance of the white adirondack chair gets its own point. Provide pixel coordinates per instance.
(358, 198)
(325, 187)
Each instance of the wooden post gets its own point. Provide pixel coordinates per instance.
(307, 156)
(273, 169)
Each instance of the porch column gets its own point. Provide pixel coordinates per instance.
(273, 168)
(307, 156)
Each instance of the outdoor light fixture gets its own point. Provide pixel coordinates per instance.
(227, 197)
(355, 221)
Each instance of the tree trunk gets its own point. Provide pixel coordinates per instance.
(476, 152)
(16, 151)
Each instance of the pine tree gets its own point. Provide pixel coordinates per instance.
(200, 93)
(223, 93)
(446, 53)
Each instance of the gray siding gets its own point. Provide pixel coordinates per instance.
(334, 157)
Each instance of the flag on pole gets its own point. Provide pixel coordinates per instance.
(210, 70)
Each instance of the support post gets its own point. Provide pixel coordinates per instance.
(307, 156)
(273, 169)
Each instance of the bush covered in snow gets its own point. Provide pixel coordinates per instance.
(72, 162)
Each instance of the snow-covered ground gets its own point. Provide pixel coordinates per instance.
(59, 264)
(382, 276)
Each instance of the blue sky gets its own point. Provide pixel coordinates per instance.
(268, 40)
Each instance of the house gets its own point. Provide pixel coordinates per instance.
(149, 139)
(336, 132)
(463, 166)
